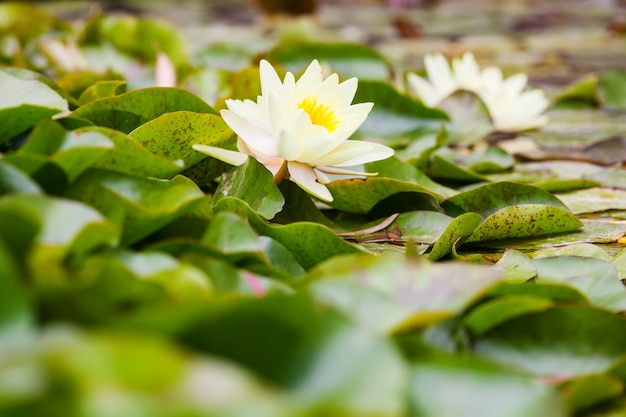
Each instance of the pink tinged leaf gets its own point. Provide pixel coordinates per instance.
(164, 71)
(254, 283)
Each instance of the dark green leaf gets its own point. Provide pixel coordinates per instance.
(611, 89)
(520, 221)
(128, 111)
(140, 205)
(347, 59)
(361, 196)
(487, 199)
(395, 114)
(261, 194)
(310, 243)
(597, 279)
(390, 293)
(561, 343)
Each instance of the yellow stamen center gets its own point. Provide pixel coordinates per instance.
(319, 113)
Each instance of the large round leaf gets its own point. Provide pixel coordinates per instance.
(563, 342)
(24, 102)
(597, 279)
(528, 220)
(171, 135)
(395, 114)
(348, 59)
(140, 205)
(466, 390)
(391, 293)
(360, 196)
(308, 351)
(310, 243)
(487, 199)
(128, 111)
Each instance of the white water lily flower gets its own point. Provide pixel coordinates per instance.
(300, 128)
(510, 107)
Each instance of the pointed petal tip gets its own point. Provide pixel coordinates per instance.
(224, 155)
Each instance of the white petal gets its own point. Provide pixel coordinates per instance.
(467, 73)
(269, 78)
(440, 74)
(321, 177)
(305, 177)
(423, 90)
(224, 155)
(354, 152)
(314, 148)
(347, 90)
(255, 136)
(310, 80)
(288, 146)
(515, 84)
(339, 171)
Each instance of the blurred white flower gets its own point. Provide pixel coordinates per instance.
(510, 107)
(300, 129)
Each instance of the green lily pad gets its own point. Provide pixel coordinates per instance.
(230, 234)
(565, 185)
(137, 36)
(140, 205)
(445, 169)
(593, 231)
(307, 351)
(597, 279)
(129, 156)
(390, 293)
(421, 226)
(581, 92)
(16, 315)
(128, 111)
(584, 393)
(13, 180)
(587, 250)
(361, 196)
(394, 168)
(559, 293)
(395, 114)
(457, 230)
(347, 59)
(495, 312)
(73, 151)
(24, 103)
(611, 89)
(487, 199)
(47, 232)
(563, 342)
(520, 221)
(517, 266)
(310, 243)
(102, 89)
(26, 75)
(27, 21)
(261, 194)
(171, 135)
(594, 200)
(465, 390)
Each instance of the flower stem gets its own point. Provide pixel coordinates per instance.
(281, 174)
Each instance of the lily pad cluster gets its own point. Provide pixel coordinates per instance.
(141, 277)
